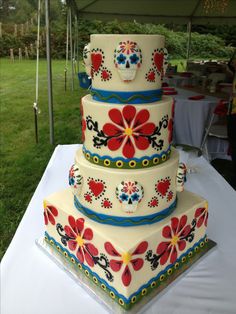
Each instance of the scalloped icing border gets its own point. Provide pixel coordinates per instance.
(145, 289)
(124, 163)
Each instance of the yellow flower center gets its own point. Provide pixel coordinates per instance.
(79, 240)
(45, 204)
(174, 240)
(126, 257)
(128, 131)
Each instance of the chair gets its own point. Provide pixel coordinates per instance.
(215, 128)
(215, 78)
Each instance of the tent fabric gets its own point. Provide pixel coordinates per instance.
(155, 11)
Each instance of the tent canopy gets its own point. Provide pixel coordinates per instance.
(156, 11)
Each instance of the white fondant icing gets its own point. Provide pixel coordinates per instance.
(108, 43)
(126, 240)
(100, 113)
(159, 181)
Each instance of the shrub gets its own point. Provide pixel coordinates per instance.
(202, 45)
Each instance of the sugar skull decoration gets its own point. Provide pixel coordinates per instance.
(127, 59)
(75, 180)
(181, 177)
(129, 194)
(87, 59)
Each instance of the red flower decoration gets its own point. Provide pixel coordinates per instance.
(175, 235)
(201, 215)
(129, 187)
(79, 238)
(126, 259)
(83, 122)
(129, 129)
(49, 213)
(128, 47)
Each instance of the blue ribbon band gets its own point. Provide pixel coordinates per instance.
(124, 221)
(135, 97)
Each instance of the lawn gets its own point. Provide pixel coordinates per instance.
(22, 160)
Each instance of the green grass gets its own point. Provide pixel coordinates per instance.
(22, 160)
(181, 64)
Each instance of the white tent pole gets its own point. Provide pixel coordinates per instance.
(76, 59)
(189, 29)
(49, 70)
(77, 40)
(67, 47)
(36, 109)
(71, 50)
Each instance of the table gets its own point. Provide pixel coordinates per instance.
(180, 81)
(32, 284)
(191, 117)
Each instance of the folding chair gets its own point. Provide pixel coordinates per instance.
(216, 127)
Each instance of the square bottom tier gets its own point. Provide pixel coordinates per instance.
(127, 262)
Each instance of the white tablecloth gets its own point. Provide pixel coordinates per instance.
(191, 117)
(32, 284)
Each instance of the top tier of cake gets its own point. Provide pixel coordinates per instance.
(126, 68)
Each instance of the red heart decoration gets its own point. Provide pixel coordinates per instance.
(96, 187)
(154, 202)
(151, 76)
(105, 75)
(96, 61)
(158, 60)
(163, 187)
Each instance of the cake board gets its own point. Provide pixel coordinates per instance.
(101, 297)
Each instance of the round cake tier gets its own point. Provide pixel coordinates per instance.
(127, 136)
(126, 68)
(126, 198)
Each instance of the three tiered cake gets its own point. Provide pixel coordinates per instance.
(127, 224)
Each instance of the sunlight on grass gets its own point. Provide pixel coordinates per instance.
(23, 161)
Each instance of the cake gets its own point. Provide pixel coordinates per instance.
(126, 221)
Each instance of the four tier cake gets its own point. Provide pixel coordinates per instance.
(125, 221)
